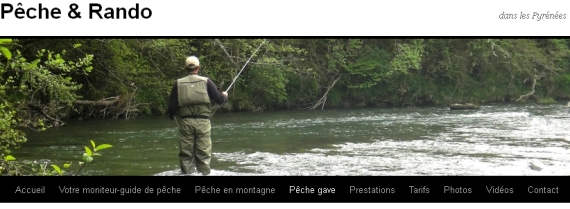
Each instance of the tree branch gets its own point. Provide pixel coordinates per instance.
(531, 92)
(226, 52)
(321, 102)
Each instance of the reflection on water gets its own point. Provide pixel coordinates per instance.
(496, 140)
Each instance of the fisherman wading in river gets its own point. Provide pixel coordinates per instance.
(190, 100)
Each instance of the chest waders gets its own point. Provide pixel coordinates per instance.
(195, 110)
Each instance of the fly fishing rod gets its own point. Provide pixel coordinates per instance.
(229, 87)
(244, 67)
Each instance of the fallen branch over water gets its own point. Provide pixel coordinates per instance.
(531, 92)
(104, 102)
(321, 102)
(114, 107)
(35, 114)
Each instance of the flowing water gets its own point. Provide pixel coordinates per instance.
(508, 139)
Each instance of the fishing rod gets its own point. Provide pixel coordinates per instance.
(244, 67)
(229, 87)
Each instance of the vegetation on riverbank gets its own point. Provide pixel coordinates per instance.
(43, 81)
(36, 94)
(129, 77)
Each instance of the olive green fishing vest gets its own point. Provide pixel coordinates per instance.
(193, 96)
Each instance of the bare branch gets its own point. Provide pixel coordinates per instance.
(225, 51)
(321, 102)
(531, 92)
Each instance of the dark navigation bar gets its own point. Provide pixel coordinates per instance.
(286, 189)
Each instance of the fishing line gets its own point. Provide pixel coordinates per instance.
(229, 87)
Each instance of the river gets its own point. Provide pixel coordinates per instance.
(503, 139)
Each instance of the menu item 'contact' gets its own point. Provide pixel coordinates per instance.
(542, 190)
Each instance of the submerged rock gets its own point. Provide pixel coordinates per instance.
(464, 106)
(532, 166)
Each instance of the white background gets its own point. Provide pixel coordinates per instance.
(299, 18)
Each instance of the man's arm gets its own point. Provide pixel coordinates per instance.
(215, 94)
(173, 102)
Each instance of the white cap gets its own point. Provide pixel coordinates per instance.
(192, 62)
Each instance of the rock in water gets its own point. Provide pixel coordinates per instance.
(466, 106)
(534, 167)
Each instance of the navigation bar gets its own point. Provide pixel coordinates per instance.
(286, 189)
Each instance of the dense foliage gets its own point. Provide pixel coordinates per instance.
(294, 73)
